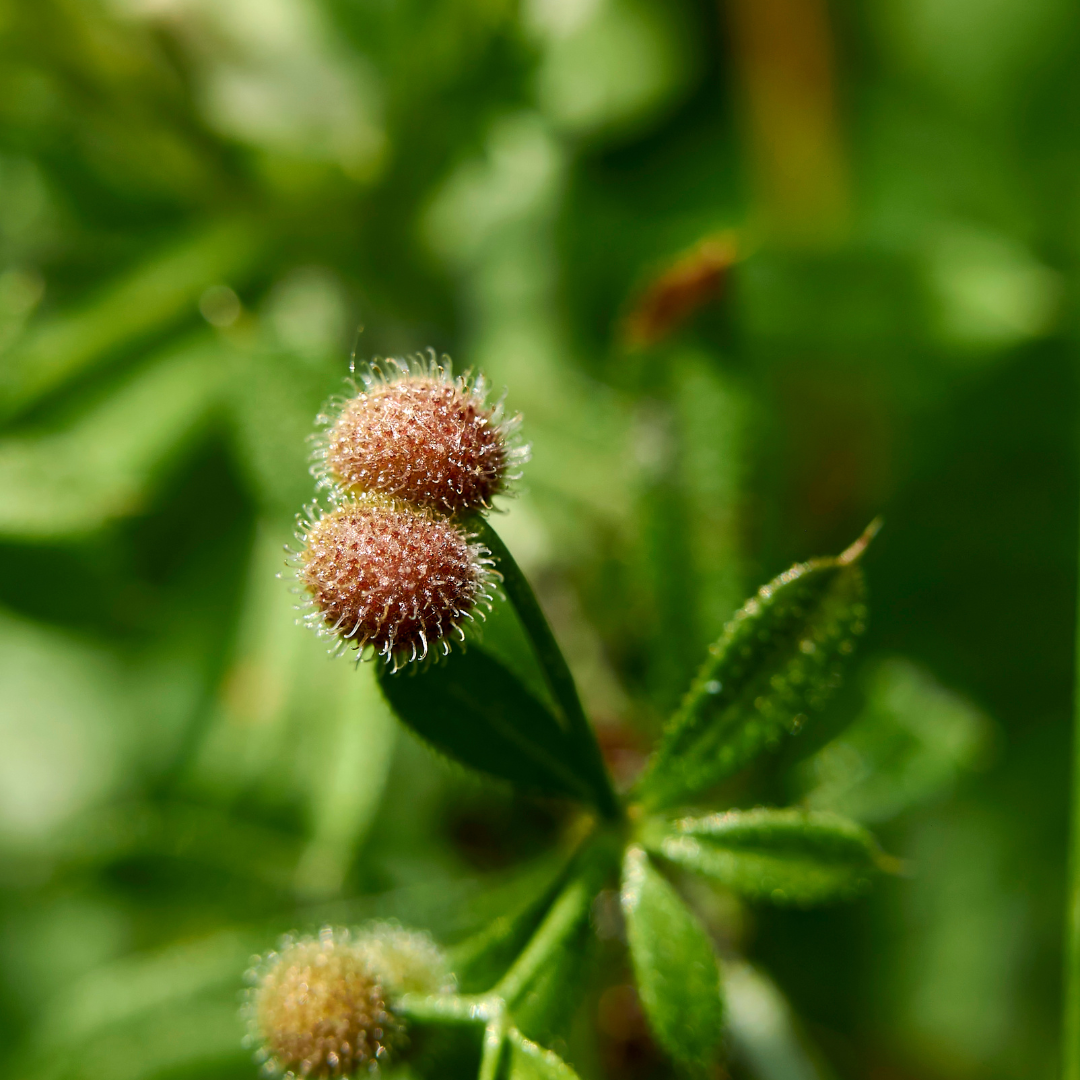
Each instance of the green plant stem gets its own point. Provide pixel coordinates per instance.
(1070, 1052)
(563, 917)
(552, 662)
(448, 1008)
(494, 1041)
(490, 1009)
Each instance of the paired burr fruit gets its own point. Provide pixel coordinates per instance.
(390, 565)
(322, 1007)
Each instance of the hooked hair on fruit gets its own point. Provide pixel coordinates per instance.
(414, 431)
(317, 1008)
(398, 578)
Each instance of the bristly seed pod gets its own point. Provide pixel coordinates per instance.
(408, 961)
(318, 1009)
(399, 578)
(419, 434)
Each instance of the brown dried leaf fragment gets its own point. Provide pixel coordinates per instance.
(675, 294)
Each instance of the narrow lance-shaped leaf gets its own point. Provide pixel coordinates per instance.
(784, 856)
(162, 289)
(911, 742)
(762, 1033)
(530, 1061)
(543, 984)
(473, 709)
(778, 659)
(102, 467)
(503, 919)
(677, 975)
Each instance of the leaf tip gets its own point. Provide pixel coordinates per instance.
(890, 864)
(854, 552)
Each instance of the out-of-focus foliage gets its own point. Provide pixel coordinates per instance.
(911, 743)
(201, 204)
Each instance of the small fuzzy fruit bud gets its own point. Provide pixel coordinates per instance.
(419, 434)
(393, 576)
(318, 1009)
(408, 961)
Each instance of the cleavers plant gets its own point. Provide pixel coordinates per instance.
(395, 564)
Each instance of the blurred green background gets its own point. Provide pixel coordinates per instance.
(207, 205)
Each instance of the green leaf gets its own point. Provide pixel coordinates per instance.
(762, 1030)
(273, 398)
(530, 1061)
(102, 467)
(778, 659)
(544, 983)
(162, 290)
(785, 856)
(714, 416)
(479, 961)
(551, 999)
(297, 729)
(677, 974)
(117, 1021)
(475, 710)
(909, 745)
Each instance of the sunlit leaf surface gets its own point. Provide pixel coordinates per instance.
(777, 661)
(529, 1061)
(783, 856)
(677, 975)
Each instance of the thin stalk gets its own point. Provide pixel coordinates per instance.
(562, 919)
(448, 1008)
(494, 1042)
(1070, 1051)
(552, 662)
